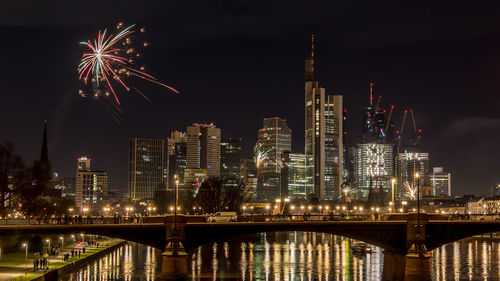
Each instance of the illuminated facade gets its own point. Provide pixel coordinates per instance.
(230, 150)
(373, 167)
(177, 151)
(298, 186)
(248, 175)
(412, 160)
(273, 139)
(203, 148)
(91, 187)
(440, 181)
(146, 167)
(323, 137)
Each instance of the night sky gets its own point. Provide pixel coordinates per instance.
(236, 62)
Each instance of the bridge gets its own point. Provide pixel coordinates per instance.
(397, 236)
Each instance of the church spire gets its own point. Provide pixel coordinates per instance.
(44, 155)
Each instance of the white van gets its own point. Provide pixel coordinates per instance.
(223, 217)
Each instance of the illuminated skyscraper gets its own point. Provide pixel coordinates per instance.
(230, 150)
(146, 167)
(323, 136)
(91, 187)
(412, 160)
(273, 139)
(248, 174)
(441, 181)
(177, 151)
(203, 148)
(298, 187)
(373, 167)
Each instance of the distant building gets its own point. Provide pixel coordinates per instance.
(373, 167)
(412, 160)
(440, 181)
(248, 175)
(297, 185)
(203, 148)
(177, 158)
(274, 138)
(91, 187)
(230, 153)
(146, 167)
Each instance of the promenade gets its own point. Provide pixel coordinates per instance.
(12, 265)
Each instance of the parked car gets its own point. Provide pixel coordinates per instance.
(223, 217)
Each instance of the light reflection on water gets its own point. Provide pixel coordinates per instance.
(294, 256)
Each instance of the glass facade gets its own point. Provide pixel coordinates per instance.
(146, 167)
(373, 167)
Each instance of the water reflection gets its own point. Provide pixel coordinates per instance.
(298, 256)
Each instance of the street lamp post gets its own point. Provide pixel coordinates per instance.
(48, 241)
(26, 259)
(176, 200)
(417, 176)
(393, 203)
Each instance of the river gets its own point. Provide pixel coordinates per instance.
(299, 256)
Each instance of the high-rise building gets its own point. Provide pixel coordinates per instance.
(203, 148)
(412, 160)
(230, 152)
(177, 152)
(273, 139)
(91, 187)
(294, 166)
(323, 136)
(440, 181)
(373, 167)
(146, 167)
(248, 174)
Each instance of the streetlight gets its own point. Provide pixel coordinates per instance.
(48, 241)
(62, 240)
(417, 176)
(26, 259)
(393, 181)
(176, 200)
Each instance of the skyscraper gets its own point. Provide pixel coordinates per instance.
(273, 139)
(177, 151)
(203, 148)
(230, 150)
(412, 160)
(91, 187)
(146, 167)
(323, 136)
(441, 181)
(248, 174)
(298, 187)
(373, 167)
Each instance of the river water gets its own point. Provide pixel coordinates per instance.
(298, 256)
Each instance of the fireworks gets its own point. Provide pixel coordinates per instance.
(111, 61)
(411, 191)
(261, 155)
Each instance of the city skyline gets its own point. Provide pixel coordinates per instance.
(450, 124)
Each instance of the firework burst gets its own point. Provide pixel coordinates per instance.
(108, 64)
(411, 191)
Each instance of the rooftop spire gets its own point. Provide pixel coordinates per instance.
(312, 47)
(44, 155)
(371, 93)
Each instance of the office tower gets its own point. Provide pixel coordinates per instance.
(323, 136)
(412, 160)
(177, 151)
(373, 118)
(248, 174)
(273, 139)
(203, 148)
(295, 168)
(230, 151)
(373, 168)
(91, 187)
(146, 167)
(441, 181)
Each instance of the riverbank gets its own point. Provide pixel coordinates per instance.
(12, 271)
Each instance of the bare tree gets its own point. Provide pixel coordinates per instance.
(13, 176)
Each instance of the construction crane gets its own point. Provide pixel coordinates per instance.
(402, 128)
(418, 132)
(389, 119)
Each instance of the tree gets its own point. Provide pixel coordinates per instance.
(13, 177)
(214, 195)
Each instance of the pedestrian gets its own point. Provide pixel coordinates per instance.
(78, 253)
(34, 265)
(83, 250)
